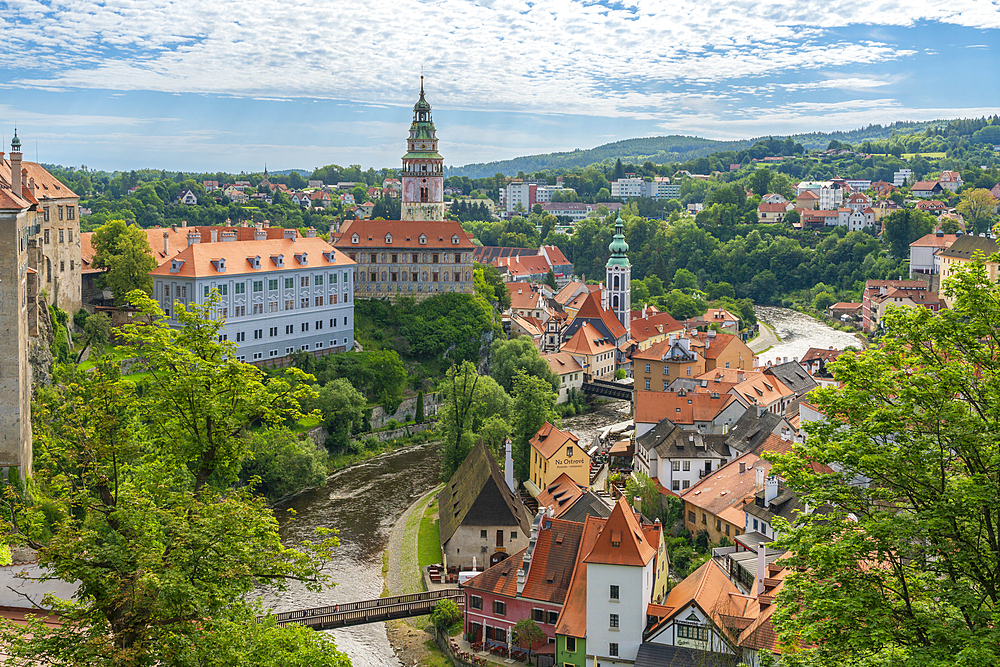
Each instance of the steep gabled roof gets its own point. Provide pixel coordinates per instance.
(588, 341)
(573, 617)
(622, 541)
(501, 579)
(562, 363)
(477, 494)
(681, 408)
(793, 376)
(552, 561)
(550, 440)
(592, 310)
(560, 495)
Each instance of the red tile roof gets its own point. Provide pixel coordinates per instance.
(653, 325)
(587, 341)
(573, 617)
(550, 440)
(404, 234)
(652, 407)
(562, 363)
(591, 309)
(560, 495)
(501, 579)
(198, 257)
(622, 540)
(552, 561)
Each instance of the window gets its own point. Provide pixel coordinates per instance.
(273, 331)
(289, 283)
(62, 265)
(241, 336)
(613, 621)
(695, 632)
(727, 364)
(666, 369)
(62, 238)
(687, 466)
(499, 608)
(206, 291)
(553, 617)
(46, 231)
(258, 286)
(272, 284)
(704, 519)
(46, 209)
(538, 615)
(571, 644)
(71, 214)
(289, 328)
(689, 370)
(289, 304)
(475, 602)
(70, 235)
(166, 290)
(483, 534)
(613, 649)
(333, 278)
(686, 484)
(755, 524)
(727, 529)
(304, 281)
(675, 466)
(240, 288)
(60, 212)
(647, 384)
(647, 368)
(258, 309)
(690, 517)
(224, 289)
(675, 485)
(318, 280)
(513, 535)
(318, 300)
(614, 592)
(569, 451)
(374, 258)
(304, 303)
(305, 326)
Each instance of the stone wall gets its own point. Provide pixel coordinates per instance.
(407, 407)
(319, 434)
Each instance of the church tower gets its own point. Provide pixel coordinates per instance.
(618, 288)
(423, 167)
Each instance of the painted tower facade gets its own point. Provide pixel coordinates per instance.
(618, 288)
(423, 167)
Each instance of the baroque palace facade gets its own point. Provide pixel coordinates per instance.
(422, 254)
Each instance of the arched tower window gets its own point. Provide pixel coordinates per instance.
(616, 287)
(614, 299)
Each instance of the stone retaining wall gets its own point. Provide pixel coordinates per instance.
(408, 407)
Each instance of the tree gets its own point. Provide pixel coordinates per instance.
(98, 330)
(418, 416)
(903, 227)
(550, 279)
(526, 631)
(455, 422)
(343, 409)
(281, 462)
(140, 475)
(681, 306)
(684, 280)
(823, 300)
(792, 218)
(446, 613)
(642, 487)
(760, 181)
(534, 404)
(508, 357)
(897, 562)
(978, 206)
(123, 253)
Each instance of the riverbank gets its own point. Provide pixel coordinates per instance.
(765, 340)
(411, 640)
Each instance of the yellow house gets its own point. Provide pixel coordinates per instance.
(961, 253)
(554, 452)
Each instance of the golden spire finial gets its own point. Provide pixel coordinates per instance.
(421, 85)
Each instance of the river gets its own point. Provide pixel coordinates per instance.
(363, 502)
(799, 332)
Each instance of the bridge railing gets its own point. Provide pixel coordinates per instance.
(315, 613)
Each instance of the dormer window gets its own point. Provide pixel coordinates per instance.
(388, 238)
(355, 238)
(330, 256)
(616, 538)
(454, 239)
(423, 240)
(254, 262)
(220, 264)
(175, 265)
(279, 261)
(301, 258)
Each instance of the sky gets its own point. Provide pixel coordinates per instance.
(233, 85)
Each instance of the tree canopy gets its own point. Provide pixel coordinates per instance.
(897, 563)
(122, 251)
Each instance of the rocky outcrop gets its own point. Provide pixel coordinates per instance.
(40, 353)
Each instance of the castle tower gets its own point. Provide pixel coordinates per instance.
(618, 289)
(423, 167)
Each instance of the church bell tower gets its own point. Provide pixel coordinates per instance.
(423, 167)
(619, 277)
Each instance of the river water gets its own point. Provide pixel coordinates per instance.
(363, 502)
(798, 332)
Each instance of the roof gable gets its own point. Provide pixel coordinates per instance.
(622, 540)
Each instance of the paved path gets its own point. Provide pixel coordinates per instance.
(404, 570)
(766, 339)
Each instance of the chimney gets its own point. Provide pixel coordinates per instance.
(522, 571)
(508, 466)
(743, 467)
(289, 235)
(761, 567)
(770, 490)
(311, 233)
(637, 504)
(184, 223)
(214, 234)
(259, 235)
(759, 476)
(739, 376)
(229, 235)
(166, 244)
(193, 237)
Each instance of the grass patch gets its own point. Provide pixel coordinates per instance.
(308, 423)
(429, 538)
(435, 657)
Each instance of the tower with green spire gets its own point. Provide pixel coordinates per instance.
(423, 167)
(617, 295)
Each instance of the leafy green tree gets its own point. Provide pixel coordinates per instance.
(978, 206)
(642, 487)
(446, 614)
(455, 418)
(903, 227)
(98, 330)
(167, 551)
(534, 404)
(823, 300)
(684, 280)
(681, 306)
(122, 252)
(419, 414)
(527, 633)
(550, 279)
(792, 218)
(281, 462)
(760, 180)
(343, 409)
(386, 378)
(896, 564)
(508, 357)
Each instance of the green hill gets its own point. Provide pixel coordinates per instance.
(673, 148)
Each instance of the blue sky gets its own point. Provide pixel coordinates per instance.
(234, 84)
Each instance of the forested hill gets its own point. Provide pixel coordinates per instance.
(673, 148)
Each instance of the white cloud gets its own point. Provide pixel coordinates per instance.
(549, 56)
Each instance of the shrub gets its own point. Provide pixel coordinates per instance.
(445, 614)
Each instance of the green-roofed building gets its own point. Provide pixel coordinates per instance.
(617, 296)
(423, 167)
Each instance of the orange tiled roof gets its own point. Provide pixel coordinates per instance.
(47, 186)
(651, 407)
(622, 540)
(404, 233)
(573, 617)
(552, 561)
(560, 495)
(198, 257)
(550, 440)
(501, 579)
(587, 341)
(653, 325)
(727, 486)
(591, 309)
(562, 363)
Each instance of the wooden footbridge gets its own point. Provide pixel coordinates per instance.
(622, 392)
(369, 611)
